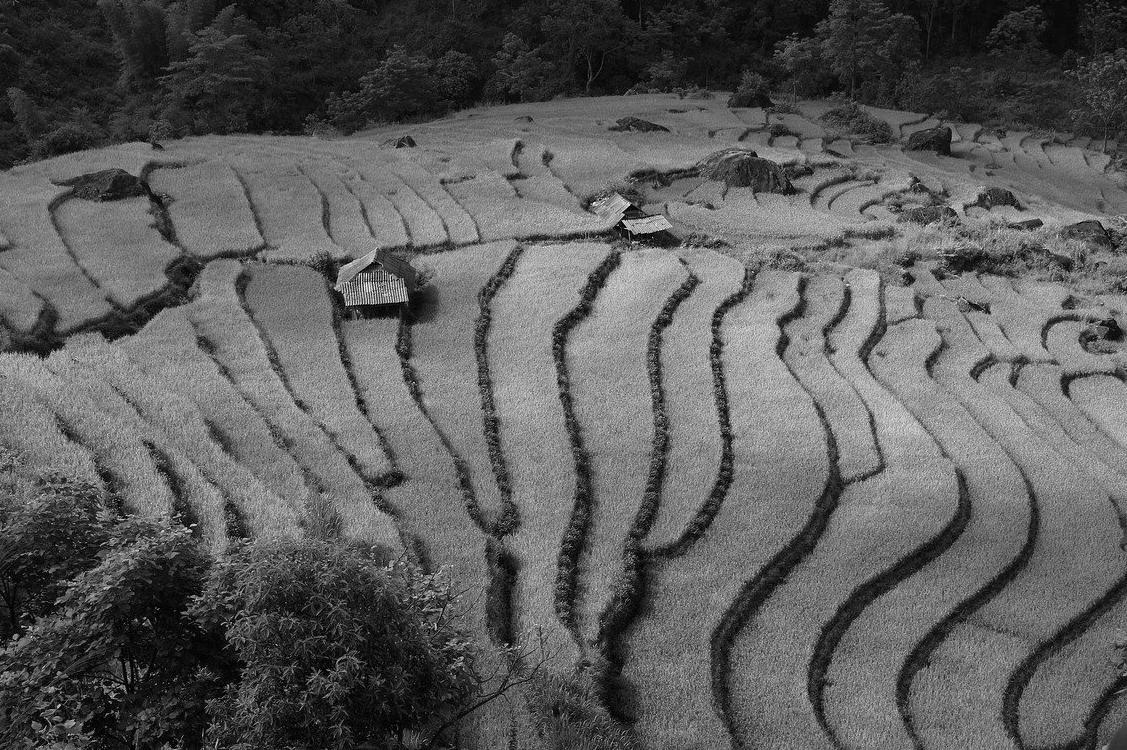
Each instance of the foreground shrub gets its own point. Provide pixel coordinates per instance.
(850, 119)
(129, 634)
(333, 647)
(118, 662)
(50, 530)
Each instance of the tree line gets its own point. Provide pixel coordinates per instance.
(79, 73)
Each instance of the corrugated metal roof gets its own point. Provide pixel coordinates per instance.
(373, 287)
(397, 266)
(647, 225)
(382, 258)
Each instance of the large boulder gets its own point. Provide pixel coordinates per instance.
(638, 125)
(993, 197)
(750, 99)
(106, 185)
(927, 215)
(933, 139)
(737, 167)
(1090, 231)
(403, 141)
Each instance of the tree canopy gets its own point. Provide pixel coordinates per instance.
(86, 71)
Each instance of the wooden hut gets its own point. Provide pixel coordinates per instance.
(378, 278)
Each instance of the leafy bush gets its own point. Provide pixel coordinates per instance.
(69, 137)
(50, 530)
(455, 78)
(986, 90)
(1018, 33)
(850, 119)
(405, 85)
(521, 73)
(805, 66)
(117, 656)
(129, 634)
(334, 647)
(666, 73)
(754, 91)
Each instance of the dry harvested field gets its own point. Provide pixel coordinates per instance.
(763, 506)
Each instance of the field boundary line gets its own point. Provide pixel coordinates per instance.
(629, 588)
(705, 514)
(403, 348)
(756, 591)
(509, 516)
(571, 546)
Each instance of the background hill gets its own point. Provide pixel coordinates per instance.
(82, 73)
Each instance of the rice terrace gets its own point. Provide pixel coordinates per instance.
(793, 473)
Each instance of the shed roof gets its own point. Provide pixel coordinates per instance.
(373, 286)
(382, 258)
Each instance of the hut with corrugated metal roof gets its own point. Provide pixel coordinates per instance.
(378, 278)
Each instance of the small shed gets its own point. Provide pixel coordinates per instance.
(378, 278)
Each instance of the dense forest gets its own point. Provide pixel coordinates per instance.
(78, 73)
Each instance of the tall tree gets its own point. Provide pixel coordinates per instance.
(215, 87)
(139, 28)
(862, 37)
(1103, 85)
(586, 32)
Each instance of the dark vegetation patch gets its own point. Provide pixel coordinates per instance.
(852, 120)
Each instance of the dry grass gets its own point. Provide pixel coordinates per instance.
(29, 427)
(219, 318)
(348, 225)
(533, 436)
(19, 307)
(39, 257)
(1104, 399)
(196, 496)
(459, 225)
(118, 245)
(303, 341)
(689, 596)
(695, 443)
(209, 209)
(288, 206)
(188, 397)
(118, 451)
(443, 357)
(1075, 540)
(611, 392)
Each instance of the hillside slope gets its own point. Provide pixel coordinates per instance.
(780, 509)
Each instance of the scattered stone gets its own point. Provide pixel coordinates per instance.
(933, 139)
(1028, 225)
(106, 185)
(737, 167)
(638, 125)
(995, 196)
(1107, 329)
(927, 215)
(403, 141)
(749, 99)
(1090, 231)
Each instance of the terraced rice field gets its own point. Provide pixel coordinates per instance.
(765, 509)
